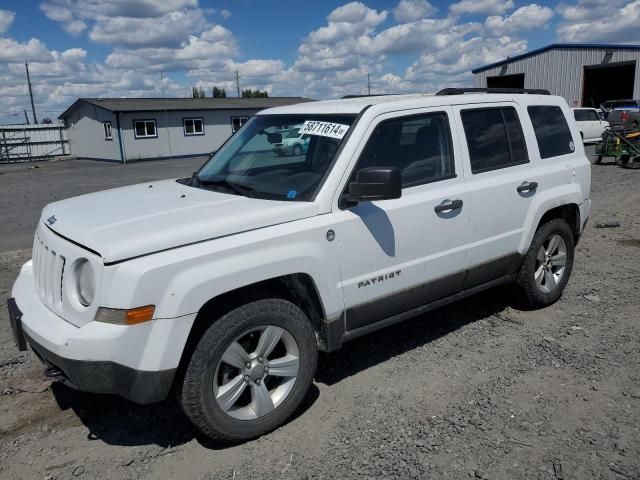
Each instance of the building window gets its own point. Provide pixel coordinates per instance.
(193, 126)
(145, 129)
(107, 130)
(552, 131)
(237, 122)
(494, 137)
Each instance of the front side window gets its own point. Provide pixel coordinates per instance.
(257, 163)
(494, 137)
(552, 131)
(145, 128)
(107, 130)
(237, 122)
(420, 146)
(193, 126)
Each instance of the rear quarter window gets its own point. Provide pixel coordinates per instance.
(552, 130)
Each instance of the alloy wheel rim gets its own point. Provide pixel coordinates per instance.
(551, 263)
(256, 372)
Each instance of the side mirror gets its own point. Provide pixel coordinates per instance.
(274, 137)
(375, 183)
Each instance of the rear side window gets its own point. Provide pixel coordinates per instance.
(552, 131)
(494, 137)
(586, 115)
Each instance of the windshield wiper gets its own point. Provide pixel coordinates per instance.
(223, 182)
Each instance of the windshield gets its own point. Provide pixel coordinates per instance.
(256, 163)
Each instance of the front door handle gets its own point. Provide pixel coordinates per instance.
(527, 187)
(448, 206)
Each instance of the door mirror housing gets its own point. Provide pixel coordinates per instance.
(375, 183)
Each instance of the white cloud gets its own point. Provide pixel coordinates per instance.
(619, 25)
(525, 18)
(168, 30)
(212, 48)
(6, 19)
(357, 12)
(33, 51)
(475, 7)
(412, 10)
(224, 13)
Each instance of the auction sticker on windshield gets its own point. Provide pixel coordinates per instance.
(324, 129)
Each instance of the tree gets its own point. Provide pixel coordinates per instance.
(219, 93)
(47, 120)
(248, 93)
(197, 92)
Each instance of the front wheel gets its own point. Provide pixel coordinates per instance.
(250, 371)
(297, 150)
(547, 265)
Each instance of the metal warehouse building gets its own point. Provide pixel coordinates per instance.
(128, 129)
(585, 75)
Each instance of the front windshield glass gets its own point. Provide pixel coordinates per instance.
(256, 162)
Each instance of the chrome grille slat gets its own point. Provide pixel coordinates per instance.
(48, 267)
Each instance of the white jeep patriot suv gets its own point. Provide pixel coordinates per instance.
(225, 285)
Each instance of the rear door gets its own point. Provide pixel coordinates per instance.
(501, 185)
(402, 253)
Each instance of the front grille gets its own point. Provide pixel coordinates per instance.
(48, 270)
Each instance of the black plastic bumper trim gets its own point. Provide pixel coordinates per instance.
(15, 318)
(105, 376)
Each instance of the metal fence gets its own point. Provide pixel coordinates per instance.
(20, 143)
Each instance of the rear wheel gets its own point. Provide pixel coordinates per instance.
(634, 125)
(297, 150)
(547, 265)
(250, 371)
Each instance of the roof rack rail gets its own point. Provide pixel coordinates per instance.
(365, 95)
(460, 91)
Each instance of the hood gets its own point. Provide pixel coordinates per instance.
(131, 221)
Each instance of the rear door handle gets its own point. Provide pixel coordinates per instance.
(448, 206)
(527, 187)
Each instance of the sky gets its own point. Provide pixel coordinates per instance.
(311, 48)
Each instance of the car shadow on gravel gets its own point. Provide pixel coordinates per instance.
(117, 421)
(380, 346)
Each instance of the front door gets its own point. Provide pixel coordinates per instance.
(402, 253)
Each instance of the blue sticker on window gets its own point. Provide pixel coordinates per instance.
(292, 194)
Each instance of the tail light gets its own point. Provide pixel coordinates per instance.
(624, 117)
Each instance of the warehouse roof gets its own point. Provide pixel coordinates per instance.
(162, 104)
(555, 46)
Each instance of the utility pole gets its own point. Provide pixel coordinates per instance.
(33, 105)
(238, 82)
(26, 117)
(369, 83)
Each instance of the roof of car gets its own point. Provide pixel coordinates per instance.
(351, 106)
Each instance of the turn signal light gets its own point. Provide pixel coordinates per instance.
(139, 315)
(131, 316)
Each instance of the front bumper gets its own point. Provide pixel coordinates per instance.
(94, 376)
(137, 362)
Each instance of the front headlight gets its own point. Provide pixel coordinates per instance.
(85, 282)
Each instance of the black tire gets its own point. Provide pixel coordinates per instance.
(197, 397)
(598, 159)
(634, 125)
(297, 150)
(531, 294)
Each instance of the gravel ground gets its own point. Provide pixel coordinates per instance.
(480, 390)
